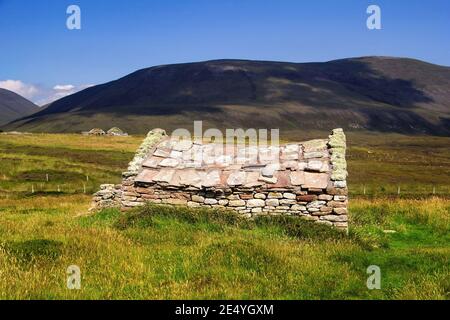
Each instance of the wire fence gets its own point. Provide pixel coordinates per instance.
(400, 190)
(89, 185)
(47, 185)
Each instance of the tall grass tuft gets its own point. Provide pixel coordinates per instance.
(291, 226)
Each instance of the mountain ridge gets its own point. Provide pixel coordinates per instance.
(13, 106)
(364, 93)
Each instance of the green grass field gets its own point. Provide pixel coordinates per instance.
(164, 253)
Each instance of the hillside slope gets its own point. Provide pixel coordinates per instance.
(14, 106)
(369, 93)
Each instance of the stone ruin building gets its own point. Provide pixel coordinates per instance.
(304, 179)
(96, 132)
(114, 131)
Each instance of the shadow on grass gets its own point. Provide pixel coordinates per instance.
(29, 251)
(218, 220)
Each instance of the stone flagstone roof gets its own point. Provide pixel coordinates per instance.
(185, 164)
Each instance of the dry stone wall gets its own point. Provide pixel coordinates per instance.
(109, 196)
(308, 179)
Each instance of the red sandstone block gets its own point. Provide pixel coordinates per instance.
(307, 197)
(181, 196)
(283, 180)
(145, 190)
(315, 190)
(150, 196)
(246, 196)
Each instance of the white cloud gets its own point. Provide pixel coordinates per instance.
(64, 87)
(60, 91)
(41, 95)
(28, 91)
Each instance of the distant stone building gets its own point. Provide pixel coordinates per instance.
(96, 132)
(304, 179)
(115, 131)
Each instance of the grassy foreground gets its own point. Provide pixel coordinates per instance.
(161, 253)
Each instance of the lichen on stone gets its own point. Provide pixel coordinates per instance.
(153, 137)
(337, 139)
(338, 144)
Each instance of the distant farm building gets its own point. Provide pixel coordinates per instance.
(97, 132)
(305, 179)
(115, 131)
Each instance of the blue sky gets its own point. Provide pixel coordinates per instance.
(42, 59)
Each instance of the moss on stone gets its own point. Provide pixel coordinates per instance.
(339, 175)
(153, 137)
(338, 144)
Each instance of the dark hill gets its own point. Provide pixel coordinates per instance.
(370, 93)
(14, 106)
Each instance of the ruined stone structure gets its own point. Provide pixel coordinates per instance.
(305, 179)
(117, 132)
(96, 132)
(114, 131)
